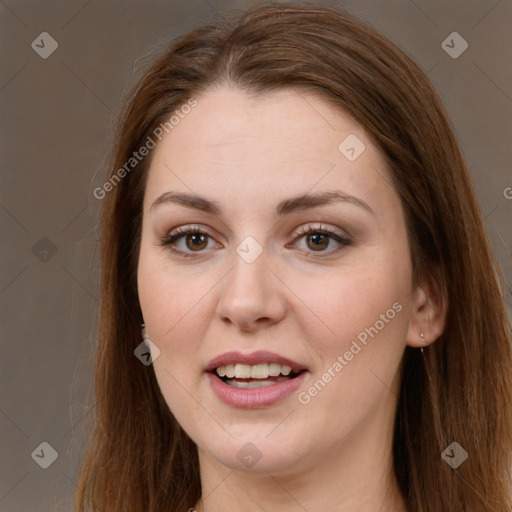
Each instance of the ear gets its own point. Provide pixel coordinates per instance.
(429, 310)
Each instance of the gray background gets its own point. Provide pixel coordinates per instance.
(57, 116)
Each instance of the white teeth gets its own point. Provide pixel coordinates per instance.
(285, 370)
(255, 371)
(259, 371)
(242, 371)
(229, 370)
(274, 369)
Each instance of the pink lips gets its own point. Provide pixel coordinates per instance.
(256, 397)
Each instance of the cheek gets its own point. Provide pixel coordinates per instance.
(171, 306)
(359, 355)
(166, 311)
(360, 339)
(347, 303)
(170, 298)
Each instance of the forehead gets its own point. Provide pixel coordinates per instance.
(260, 147)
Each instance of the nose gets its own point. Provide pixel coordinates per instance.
(251, 296)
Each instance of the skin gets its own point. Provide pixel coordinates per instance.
(248, 153)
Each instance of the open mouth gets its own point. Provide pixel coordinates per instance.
(261, 375)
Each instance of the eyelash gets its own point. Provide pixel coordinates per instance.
(302, 232)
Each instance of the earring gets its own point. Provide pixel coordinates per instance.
(422, 339)
(143, 331)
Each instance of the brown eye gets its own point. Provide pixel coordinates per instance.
(317, 241)
(196, 241)
(185, 241)
(321, 241)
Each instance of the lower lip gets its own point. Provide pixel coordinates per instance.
(256, 397)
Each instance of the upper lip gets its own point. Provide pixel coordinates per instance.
(258, 357)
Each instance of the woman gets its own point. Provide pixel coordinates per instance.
(290, 226)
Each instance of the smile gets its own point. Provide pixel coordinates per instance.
(247, 376)
(254, 380)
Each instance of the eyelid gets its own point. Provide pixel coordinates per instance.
(305, 229)
(186, 230)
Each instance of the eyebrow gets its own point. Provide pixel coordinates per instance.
(303, 202)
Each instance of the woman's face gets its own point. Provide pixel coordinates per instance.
(275, 267)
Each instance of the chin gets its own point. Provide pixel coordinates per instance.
(277, 464)
(256, 452)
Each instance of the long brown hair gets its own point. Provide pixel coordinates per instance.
(459, 390)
